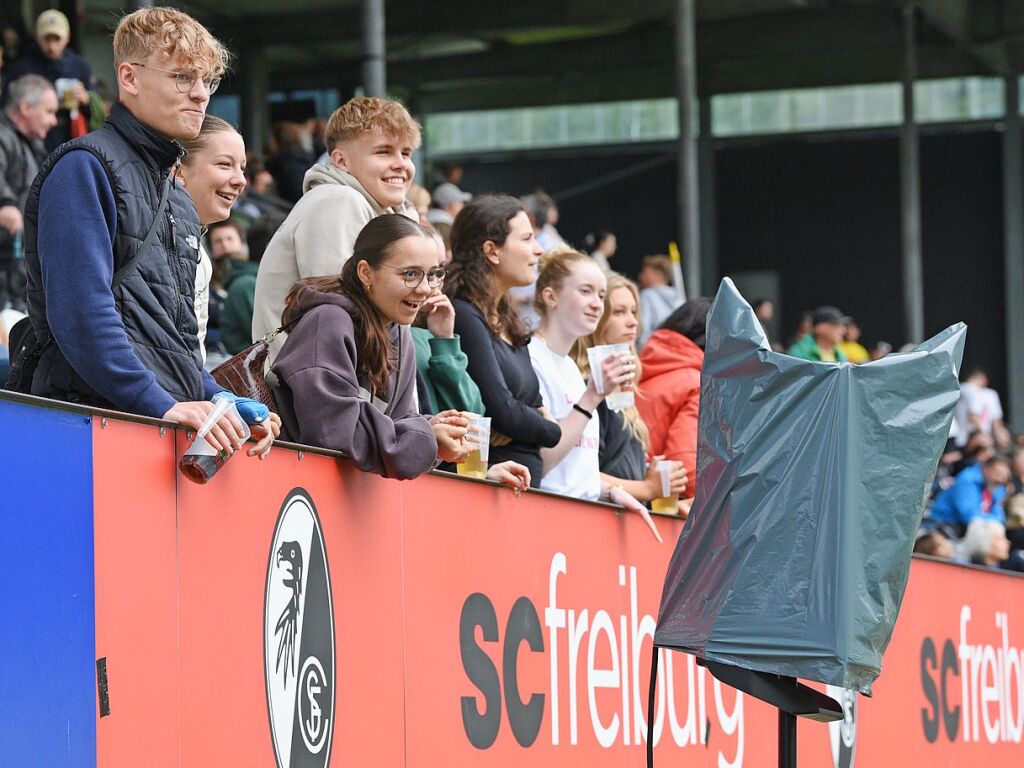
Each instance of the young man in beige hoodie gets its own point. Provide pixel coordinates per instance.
(370, 141)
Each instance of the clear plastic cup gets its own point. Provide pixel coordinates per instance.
(201, 461)
(617, 399)
(475, 464)
(668, 502)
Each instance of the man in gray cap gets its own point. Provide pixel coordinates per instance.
(49, 56)
(447, 201)
(822, 343)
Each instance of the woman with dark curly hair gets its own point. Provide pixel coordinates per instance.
(493, 250)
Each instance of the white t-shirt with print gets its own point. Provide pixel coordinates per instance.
(561, 384)
(982, 403)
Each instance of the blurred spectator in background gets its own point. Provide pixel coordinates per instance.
(764, 310)
(803, 327)
(30, 112)
(493, 249)
(226, 240)
(978, 449)
(68, 71)
(822, 343)
(419, 198)
(1015, 532)
(293, 158)
(1017, 468)
(980, 410)
(446, 202)
(668, 397)
(444, 231)
(240, 284)
(371, 141)
(880, 350)
(227, 245)
(977, 492)
(260, 197)
(985, 543)
(602, 246)
(850, 345)
(935, 544)
(548, 236)
(625, 438)
(658, 299)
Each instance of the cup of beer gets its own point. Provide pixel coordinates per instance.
(479, 434)
(201, 462)
(617, 399)
(668, 502)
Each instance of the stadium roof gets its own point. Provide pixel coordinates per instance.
(472, 54)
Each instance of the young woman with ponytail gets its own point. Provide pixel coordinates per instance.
(570, 299)
(348, 369)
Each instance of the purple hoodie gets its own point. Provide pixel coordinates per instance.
(319, 398)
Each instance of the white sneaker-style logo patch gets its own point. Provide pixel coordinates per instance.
(298, 638)
(842, 734)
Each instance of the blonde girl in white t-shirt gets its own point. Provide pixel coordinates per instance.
(570, 300)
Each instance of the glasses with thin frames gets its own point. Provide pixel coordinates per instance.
(413, 276)
(184, 81)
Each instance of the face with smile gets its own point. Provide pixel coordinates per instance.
(577, 304)
(381, 162)
(153, 97)
(214, 176)
(385, 283)
(515, 261)
(623, 323)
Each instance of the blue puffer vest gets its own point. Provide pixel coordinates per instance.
(156, 297)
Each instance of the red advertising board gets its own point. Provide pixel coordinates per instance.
(298, 612)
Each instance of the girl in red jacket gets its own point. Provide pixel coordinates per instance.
(669, 391)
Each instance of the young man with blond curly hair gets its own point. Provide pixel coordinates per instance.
(370, 141)
(112, 243)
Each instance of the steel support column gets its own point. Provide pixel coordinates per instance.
(910, 189)
(374, 71)
(1013, 252)
(708, 210)
(687, 175)
(254, 76)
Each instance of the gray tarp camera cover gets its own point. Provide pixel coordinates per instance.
(812, 481)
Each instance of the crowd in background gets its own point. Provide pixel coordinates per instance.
(401, 311)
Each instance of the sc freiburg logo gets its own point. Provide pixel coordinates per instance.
(298, 638)
(842, 734)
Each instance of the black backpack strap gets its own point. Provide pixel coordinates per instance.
(161, 207)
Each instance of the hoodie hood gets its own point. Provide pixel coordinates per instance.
(668, 352)
(240, 269)
(332, 174)
(309, 299)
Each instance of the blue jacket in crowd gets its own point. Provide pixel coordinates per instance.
(961, 502)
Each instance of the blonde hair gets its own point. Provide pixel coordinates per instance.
(555, 265)
(631, 416)
(370, 113)
(169, 31)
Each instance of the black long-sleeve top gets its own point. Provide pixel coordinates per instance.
(511, 394)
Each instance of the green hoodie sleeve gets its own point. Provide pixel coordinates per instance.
(236, 317)
(446, 370)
